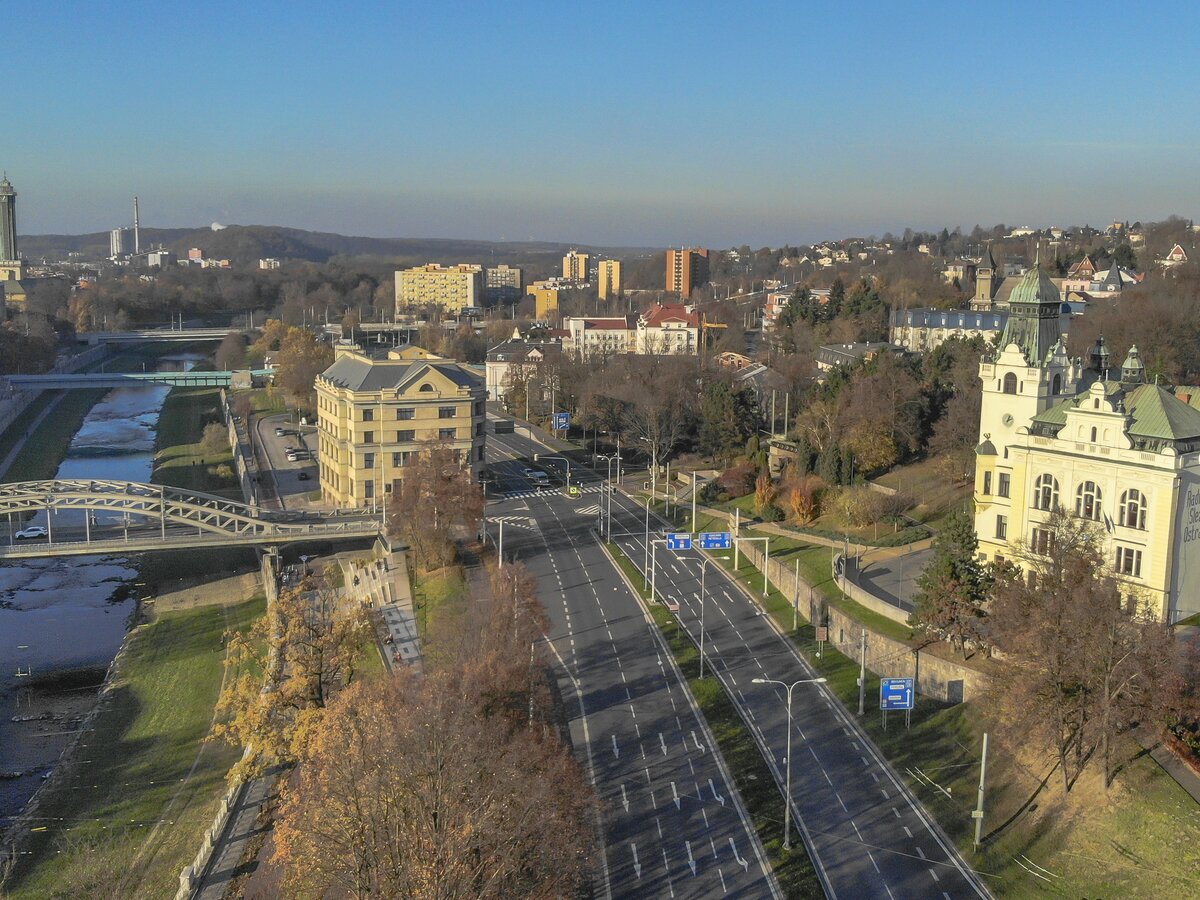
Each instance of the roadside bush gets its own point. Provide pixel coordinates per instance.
(214, 439)
(804, 494)
(772, 513)
(738, 480)
(861, 506)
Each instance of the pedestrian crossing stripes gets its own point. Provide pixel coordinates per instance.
(515, 521)
(551, 492)
(593, 510)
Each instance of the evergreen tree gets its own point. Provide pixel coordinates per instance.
(953, 588)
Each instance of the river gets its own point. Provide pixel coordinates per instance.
(62, 619)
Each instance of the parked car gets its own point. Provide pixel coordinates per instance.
(279, 432)
(33, 531)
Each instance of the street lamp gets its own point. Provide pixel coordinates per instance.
(608, 489)
(703, 575)
(787, 799)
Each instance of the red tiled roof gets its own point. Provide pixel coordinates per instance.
(670, 312)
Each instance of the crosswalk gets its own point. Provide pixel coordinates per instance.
(551, 492)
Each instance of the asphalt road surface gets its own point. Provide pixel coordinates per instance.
(866, 832)
(673, 823)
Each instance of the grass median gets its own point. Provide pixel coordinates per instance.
(130, 811)
(755, 784)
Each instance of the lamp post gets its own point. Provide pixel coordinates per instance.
(787, 799)
(538, 457)
(703, 591)
(608, 490)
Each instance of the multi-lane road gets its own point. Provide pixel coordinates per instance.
(867, 834)
(673, 824)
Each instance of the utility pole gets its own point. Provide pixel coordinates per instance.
(977, 815)
(862, 674)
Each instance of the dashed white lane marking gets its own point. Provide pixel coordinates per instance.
(875, 864)
(841, 801)
(856, 831)
(920, 853)
(907, 831)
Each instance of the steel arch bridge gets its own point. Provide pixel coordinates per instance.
(183, 519)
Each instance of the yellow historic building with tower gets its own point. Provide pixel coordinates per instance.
(1095, 439)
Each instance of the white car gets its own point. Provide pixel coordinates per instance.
(33, 531)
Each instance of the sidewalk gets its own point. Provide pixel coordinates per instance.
(225, 863)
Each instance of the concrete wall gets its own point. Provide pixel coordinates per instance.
(244, 463)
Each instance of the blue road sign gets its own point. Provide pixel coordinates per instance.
(679, 540)
(896, 693)
(715, 540)
(562, 421)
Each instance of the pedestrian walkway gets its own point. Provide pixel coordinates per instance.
(1183, 774)
(243, 825)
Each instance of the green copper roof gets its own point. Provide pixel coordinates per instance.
(1056, 415)
(1033, 312)
(1157, 413)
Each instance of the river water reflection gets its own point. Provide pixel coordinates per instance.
(66, 613)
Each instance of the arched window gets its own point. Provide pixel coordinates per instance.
(1045, 492)
(1087, 501)
(1056, 385)
(1010, 383)
(1093, 434)
(426, 387)
(1132, 513)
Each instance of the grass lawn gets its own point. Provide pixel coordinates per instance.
(935, 494)
(130, 813)
(179, 459)
(435, 598)
(762, 797)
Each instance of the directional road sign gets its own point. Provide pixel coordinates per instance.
(679, 540)
(896, 693)
(562, 421)
(715, 540)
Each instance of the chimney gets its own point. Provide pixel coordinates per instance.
(137, 229)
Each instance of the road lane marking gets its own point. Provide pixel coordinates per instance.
(616, 750)
(720, 799)
(841, 801)
(692, 862)
(662, 741)
(637, 866)
(875, 864)
(624, 799)
(675, 795)
(907, 831)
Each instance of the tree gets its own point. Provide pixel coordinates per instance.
(313, 639)
(804, 497)
(215, 439)
(300, 359)
(432, 502)
(409, 792)
(1089, 660)
(232, 352)
(953, 589)
(728, 416)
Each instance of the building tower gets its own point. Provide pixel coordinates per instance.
(986, 282)
(137, 229)
(8, 221)
(575, 267)
(608, 279)
(687, 269)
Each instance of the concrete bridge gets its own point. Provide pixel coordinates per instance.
(156, 334)
(91, 380)
(86, 517)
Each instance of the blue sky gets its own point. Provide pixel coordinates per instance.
(615, 123)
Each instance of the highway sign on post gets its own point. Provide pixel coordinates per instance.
(562, 421)
(896, 693)
(679, 540)
(715, 540)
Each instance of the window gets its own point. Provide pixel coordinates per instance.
(399, 460)
(1093, 434)
(987, 483)
(1002, 484)
(368, 489)
(406, 434)
(405, 413)
(1042, 542)
(1001, 528)
(447, 434)
(368, 415)
(368, 460)
(1045, 492)
(1129, 562)
(1010, 383)
(1056, 385)
(478, 429)
(447, 412)
(368, 437)
(1132, 512)
(426, 388)
(1087, 501)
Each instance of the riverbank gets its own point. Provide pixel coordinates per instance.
(128, 811)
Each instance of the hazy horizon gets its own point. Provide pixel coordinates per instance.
(657, 127)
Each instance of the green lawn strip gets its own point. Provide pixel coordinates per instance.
(759, 792)
(100, 816)
(434, 596)
(179, 459)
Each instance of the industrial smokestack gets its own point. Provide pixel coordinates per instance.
(137, 229)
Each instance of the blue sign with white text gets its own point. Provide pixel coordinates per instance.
(896, 693)
(715, 540)
(679, 540)
(562, 421)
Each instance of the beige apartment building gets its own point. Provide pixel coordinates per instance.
(686, 270)
(374, 414)
(608, 278)
(454, 288)
(575, 267)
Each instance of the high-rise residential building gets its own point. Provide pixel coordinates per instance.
(268, 263)
(10, 259)
(375, 414)
(545, 297)
(119, 242)
(503, 283)
(608, 278)
(687, 270)
(453, 288)
(575, 267)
